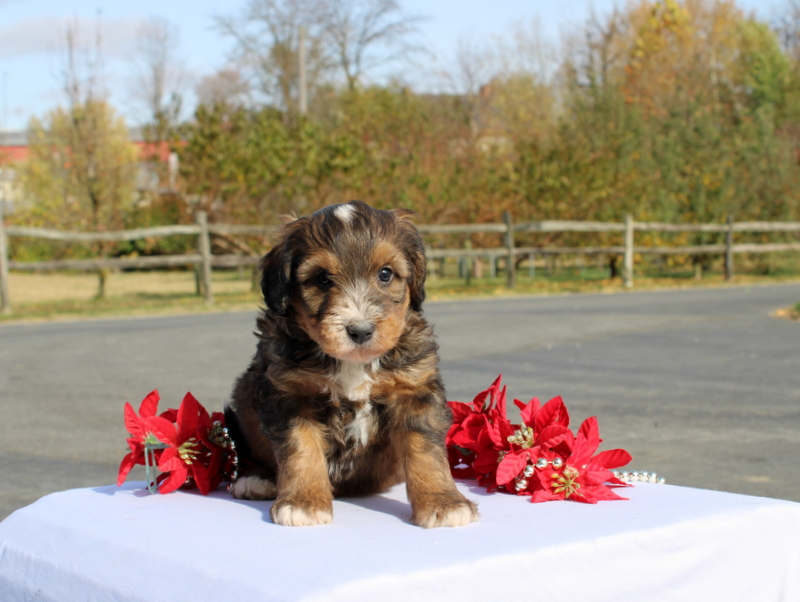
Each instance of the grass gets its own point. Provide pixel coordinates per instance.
(65, 296)
(72, 296)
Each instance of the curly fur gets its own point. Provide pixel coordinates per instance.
(343, 396)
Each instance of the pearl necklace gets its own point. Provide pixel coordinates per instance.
(638, 476)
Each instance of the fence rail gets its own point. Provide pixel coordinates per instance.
(205, 261)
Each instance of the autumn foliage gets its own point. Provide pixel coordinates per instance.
(675, 111)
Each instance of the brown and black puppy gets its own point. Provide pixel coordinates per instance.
(344, 396)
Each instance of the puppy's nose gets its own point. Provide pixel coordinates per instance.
(361, 332)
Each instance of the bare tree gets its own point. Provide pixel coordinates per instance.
(159, 76)
(87, 150)
(787, 27)
(358, 30)
(349, 36)
(526, 50)
(475, 65)
(226, 86)
(81, 82)
(266, 39)
(81, 65)
(601, 51)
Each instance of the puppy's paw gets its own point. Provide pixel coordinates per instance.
(293, 514)
(253, 488)
(443, 510)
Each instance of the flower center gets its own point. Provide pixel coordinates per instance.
(187, 451)
(566, 482)
(523, 437)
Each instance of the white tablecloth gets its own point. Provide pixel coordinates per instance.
(666, 543)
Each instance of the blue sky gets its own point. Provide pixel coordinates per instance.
(32, 33)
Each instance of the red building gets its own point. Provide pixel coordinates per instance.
(14, 149)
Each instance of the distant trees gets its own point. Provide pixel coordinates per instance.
(159, 79)
(81, 165)
(672, 110)
(363, 34)
(346, 37)
(81, 168)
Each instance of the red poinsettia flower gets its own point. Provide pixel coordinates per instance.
(582, 476)
(473, 418)
(193, 447)
(541, 458)
(479, 434)
(217, 457)
(183, 458)
(144, 428)
(461, 463)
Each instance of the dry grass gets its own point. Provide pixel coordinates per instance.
(71, 296)
(60, 296)
(43, 288)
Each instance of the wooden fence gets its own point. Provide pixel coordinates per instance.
(205, 261)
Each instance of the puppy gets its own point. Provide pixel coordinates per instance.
(343, 396)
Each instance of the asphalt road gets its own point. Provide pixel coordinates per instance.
(701, 386)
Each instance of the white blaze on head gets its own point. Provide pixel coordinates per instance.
(344, 213)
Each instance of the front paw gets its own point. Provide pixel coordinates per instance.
(443, 510)
(253, 488)
(297, 513)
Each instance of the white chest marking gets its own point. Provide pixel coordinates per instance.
(362, 427)
(354, 382)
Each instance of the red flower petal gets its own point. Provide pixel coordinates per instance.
(581, 452)
(171, 415)
(544, 495)
(500, 403)
(188, 417)
(591, 431)
(553, 412)
(460, 410)
(554, 435)
(612, 458)
(486, 461)
(164, 430)
(528, 410)
(128, 462)
(149, 405)
(133, 423)
(201, 478)
(511, 466)
(175, 479)
(479, 403)
(499, 432)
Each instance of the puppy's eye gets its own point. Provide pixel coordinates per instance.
(324, 280)
(385, 274)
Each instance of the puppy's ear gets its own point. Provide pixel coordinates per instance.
(276, 276)
(411, 243)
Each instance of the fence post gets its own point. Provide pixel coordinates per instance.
(729, 250)
(204, 246)
(628, 262)
(511, 268)
(5, 302)
(467, 263)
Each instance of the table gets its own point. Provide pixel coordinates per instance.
(665, 543)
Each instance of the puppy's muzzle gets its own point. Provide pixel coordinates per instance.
(360, 332)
